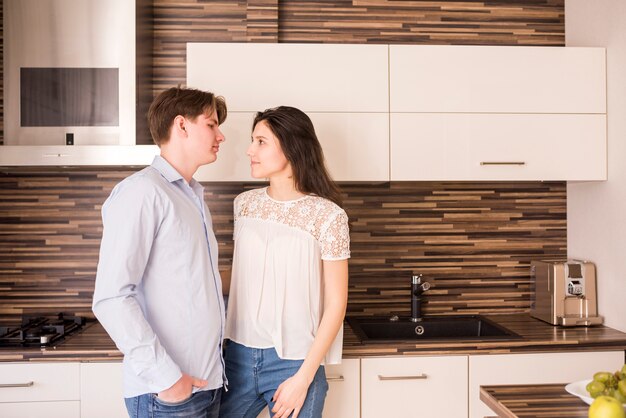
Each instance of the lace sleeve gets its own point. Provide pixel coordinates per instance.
(236, 212)
(335, 239)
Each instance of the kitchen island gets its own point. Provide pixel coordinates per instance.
(533, 401)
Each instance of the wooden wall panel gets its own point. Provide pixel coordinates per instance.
(535, 22)
(262, 21)
(473, 241)
(177, 22)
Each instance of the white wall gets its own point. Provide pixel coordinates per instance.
(596, 212)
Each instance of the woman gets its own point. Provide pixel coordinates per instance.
(289, 280)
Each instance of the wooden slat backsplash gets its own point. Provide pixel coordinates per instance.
(423, 22)
(472, 241)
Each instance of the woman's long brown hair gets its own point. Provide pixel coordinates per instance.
(299, 143)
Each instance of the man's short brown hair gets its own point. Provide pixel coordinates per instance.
(186, 102)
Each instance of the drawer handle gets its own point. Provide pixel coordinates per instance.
(17, 385)
(334, 378)
(503, 163)
(56, 155)
(417, 377)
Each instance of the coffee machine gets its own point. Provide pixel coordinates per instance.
(564, 293)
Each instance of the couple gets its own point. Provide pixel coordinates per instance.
(159, 293)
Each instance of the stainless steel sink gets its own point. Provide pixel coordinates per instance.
(473, 327)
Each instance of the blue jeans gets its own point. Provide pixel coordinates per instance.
(254, 374)
(202, 404)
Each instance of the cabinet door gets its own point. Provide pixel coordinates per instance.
(426, 78)
(101, 394)
(446, 146)
(39, 382)
(312, 77)
(534, 368)
(355, 145)
(428, 387)
(61, 409)
(344, 390)
(343, 398)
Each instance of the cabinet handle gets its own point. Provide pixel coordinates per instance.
(334, 378)
(417, 377)
(503, 163)
(56, 155)
(17, 385)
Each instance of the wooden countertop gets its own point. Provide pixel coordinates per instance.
(533, 401)
(93, 344)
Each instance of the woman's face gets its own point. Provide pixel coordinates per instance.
(267, 159)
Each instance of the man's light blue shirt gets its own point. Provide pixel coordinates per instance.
(158, 290)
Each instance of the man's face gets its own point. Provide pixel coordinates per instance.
(204, 138)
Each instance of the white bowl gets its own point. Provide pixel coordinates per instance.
(578, 389)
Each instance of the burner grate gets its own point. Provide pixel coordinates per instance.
(40, 330)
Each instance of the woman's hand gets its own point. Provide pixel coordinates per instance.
(290, 396)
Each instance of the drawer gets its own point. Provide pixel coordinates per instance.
(428, 387)
(39, 382)
(62, 409)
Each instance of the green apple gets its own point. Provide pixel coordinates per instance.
(606, 407)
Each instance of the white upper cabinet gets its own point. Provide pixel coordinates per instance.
(355, 145)
(462, 146)
(497, 79)
(311, 77)
(474, 113)
(342, 88)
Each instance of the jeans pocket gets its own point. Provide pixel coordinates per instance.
(171, 404)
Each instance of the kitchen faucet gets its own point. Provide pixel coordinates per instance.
(417, 288)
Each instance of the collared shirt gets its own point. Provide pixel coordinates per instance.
(158, 291)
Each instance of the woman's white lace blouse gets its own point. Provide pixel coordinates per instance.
(276, 292)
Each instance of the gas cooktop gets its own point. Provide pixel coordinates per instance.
(40, 331)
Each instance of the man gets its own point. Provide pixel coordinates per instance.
(158, 289)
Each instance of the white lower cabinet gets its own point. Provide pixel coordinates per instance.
(39, 389)
(344, 391)
(425, 387)
(534, 368)
(101, 393)
(59, 409)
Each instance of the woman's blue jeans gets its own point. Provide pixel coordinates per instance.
(254, 374)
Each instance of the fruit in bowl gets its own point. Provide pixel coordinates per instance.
(609, 384)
